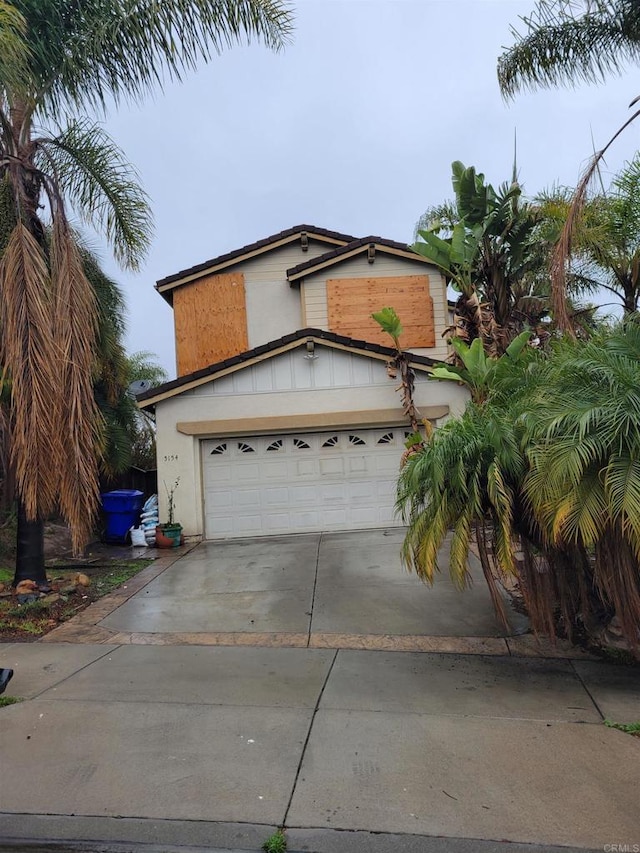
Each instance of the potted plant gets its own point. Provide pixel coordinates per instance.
(172, 530)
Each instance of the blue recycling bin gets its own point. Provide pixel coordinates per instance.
(121, 509)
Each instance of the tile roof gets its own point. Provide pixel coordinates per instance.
(263, 349)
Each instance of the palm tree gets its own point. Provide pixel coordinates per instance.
(487, 250)
(583, 484)
(462, 481)
(605, 246)
(130, 435)
(127, 432)
(68, 57)
(545, 473)
(565, 42)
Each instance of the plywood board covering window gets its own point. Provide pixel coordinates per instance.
(210, 317)
(351, 301)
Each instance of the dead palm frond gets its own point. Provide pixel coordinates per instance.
(562, 251)
(75, 317)
(26, 347)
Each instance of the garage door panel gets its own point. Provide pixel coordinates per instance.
(331, 467)
(276, 470)
(331, 493)
(337, 480)
(305, 520)
(222, 527)
(217, 500)
(357, 464)
(304, 494)
(306, 468)
(386, 492)
(248, 525)
(276, 497)
(365, 516)
(389, 465)
(275, 522)
(223, 473)
(248, 499)
(332, 519)
(359, 491)
(248, 473)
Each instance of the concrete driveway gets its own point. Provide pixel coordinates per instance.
(307, 587)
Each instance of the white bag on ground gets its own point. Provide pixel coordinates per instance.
(138, 539)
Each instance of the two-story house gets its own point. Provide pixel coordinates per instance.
(283, 417)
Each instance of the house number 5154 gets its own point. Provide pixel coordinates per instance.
(171, 458)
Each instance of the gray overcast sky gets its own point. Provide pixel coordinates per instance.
(353, 128)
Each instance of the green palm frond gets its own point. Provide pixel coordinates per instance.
(459, 549)
(564, 43)
(14, 48)
(460, 479)
(440, 219)
(501, 496)
(92, 173)
(580, 514)
(125, 48)
(622, 491)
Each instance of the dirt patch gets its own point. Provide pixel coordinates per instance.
(26, 617)
(75, 582)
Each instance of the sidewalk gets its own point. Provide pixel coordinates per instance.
(213, 734)
(219, 746)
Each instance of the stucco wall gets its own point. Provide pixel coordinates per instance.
(273, 307)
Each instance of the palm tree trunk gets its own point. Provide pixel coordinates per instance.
(29, 550)
(492, 584)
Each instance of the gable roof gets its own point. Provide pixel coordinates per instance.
(355, 247)
(165, 285)
(206, 374)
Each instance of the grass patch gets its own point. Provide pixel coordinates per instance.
(9, 700)
(24, 611)
(276, 843)
(116, 575)
(629, 728)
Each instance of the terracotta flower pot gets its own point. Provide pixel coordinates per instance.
(169, 533)
(163, 541)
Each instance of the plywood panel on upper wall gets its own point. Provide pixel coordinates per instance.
(352, 301)
(210, 318)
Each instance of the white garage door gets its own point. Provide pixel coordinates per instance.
(261, 485)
